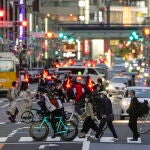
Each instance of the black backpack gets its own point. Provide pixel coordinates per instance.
(143, 108)
(97, 103)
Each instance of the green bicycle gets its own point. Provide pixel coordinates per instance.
(66, 130)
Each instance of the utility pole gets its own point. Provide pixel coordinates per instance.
(108, 11)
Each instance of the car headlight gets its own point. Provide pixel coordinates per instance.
(111, 87)
(146, 74)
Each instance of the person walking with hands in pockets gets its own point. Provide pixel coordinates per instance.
(133, 115)
(106, 116)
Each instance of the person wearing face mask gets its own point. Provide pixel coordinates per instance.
(89, 119)
(106, 116)
(60, 91)
(133, 115)
(100, 85)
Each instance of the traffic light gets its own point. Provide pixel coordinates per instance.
(66, 37)
(23, 23)
(49, 35)
(134, 36)
(2, 13)
(57, 53)
(147, 32)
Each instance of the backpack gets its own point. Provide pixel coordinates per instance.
(97, 103)
(143, 108)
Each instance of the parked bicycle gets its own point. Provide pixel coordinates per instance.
(66, 130)
(144, 124)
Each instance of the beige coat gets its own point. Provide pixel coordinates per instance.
(12, 102)
(88, 111)
(26, 103)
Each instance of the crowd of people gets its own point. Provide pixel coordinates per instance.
(92, 98)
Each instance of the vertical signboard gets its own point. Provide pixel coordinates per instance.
(86, 48)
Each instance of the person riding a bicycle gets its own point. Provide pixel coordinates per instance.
(52, 106)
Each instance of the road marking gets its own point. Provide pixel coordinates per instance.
(47, 145)
(25, 139)
(3, 139)
(53, 139)
(6, 105)
(2, 122)
(80, 139)
(49, 139)
(86, 145)
(129, 138)
(106, 139)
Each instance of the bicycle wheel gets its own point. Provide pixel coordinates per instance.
(27, 116)
(144, 124)
(71, 133)
(70, 117)
(39, 131)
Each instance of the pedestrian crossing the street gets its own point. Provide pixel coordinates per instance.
(77, 139)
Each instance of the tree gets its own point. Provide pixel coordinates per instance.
(125, 48)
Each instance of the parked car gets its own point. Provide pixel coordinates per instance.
(142, 93)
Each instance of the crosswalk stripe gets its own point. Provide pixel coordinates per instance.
(3, 139)
(25, 139)
(129, 138)
(4, 105)
(53, 139)
(30, 139)
(106, 139)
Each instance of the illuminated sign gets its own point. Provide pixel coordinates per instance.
(86, 48)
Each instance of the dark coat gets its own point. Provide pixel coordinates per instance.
(132, 110)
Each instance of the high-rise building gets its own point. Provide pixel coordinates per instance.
(95, 11)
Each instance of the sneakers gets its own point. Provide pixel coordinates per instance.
(134, 139)
(82, 135)
(11, 119)
(94, 137)
(115, 139)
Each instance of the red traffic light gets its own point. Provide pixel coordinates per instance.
(2, 13)
(23, 23)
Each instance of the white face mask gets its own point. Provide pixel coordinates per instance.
(86, 99)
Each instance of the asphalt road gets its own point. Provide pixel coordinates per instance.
(15, 136)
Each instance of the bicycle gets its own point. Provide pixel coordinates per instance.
(144, 124)
(72, 115)
(66, 130)
(31, 115)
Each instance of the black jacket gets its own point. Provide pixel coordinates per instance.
(132, 110)
(107, 106)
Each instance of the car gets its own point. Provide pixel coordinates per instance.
(119, 67)
(93, 72)
(34, 76)
(117, 85)
(62, 74)
(142, 93)
(112, 73)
